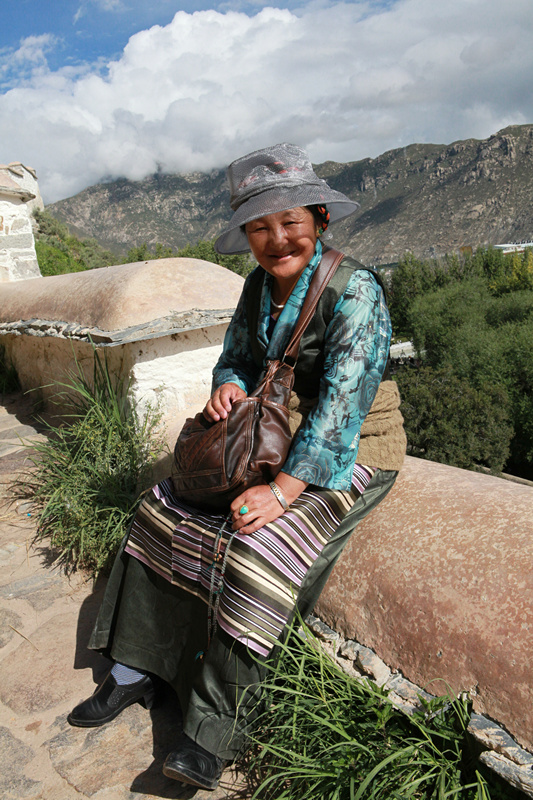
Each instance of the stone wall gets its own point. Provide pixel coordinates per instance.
(159, 324)
(499, 751)
(438, 582)
(19, 195)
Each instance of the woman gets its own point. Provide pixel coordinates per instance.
(176, 574)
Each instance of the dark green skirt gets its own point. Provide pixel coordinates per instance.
(147, 623)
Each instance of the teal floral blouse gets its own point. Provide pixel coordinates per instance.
(356, 348)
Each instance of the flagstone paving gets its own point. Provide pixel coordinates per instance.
(45, 669)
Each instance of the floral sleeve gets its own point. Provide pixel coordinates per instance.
(356, 349)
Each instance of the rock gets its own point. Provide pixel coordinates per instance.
(128, 752)
(40, 589)
(369, 663)
(349, 649)
(8, 621)
(52, 646)
(321, 630)
(396, 191)
(103, 758)
(495, 738)
(519, 777)
(408, 691)
(15, 756)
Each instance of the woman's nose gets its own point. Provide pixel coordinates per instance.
(278, 235)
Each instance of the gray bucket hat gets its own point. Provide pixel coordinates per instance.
(275, 179)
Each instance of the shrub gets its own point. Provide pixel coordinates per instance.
(450, 421)
(205, 250)
(85, 481)
(485, 341)
(53, 260)
(58, 252)
(324, 734)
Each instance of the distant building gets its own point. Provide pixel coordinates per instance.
(19, 195)
(514, 247)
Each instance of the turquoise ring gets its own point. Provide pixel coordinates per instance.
(243, 510)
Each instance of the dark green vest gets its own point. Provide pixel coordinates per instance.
(310, 365)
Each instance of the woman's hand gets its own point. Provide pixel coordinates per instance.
(219, 404)
(262, 504)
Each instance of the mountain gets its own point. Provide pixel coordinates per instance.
(426, 198)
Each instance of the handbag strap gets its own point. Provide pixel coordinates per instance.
(323, 274)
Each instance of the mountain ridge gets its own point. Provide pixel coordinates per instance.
(424, 198)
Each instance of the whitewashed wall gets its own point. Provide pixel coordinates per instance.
(18, 259)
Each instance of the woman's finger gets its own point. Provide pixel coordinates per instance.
(250, 526)
(209, 412)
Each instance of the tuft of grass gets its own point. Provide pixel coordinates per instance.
(86, 479)
(324, 734)
(9, 381)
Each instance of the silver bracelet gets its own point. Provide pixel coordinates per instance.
(277, 493)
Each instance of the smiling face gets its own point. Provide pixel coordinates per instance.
(283, 243)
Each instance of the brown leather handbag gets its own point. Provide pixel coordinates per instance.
(215, 461)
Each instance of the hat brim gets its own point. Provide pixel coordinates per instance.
(233, 240)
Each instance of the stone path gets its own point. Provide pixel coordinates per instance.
(45, 669)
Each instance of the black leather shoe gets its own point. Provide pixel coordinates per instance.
(109, 700)
(192, 764)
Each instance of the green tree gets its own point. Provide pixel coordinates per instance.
(241, 264)
(140, 252)
(203, 249)
(448, 420)
(518, 274)
(485, 342)
(435, 317)
(411, 278)
(59, 252)
(414, 277)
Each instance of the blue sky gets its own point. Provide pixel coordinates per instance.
(95, 89)
(86, 31)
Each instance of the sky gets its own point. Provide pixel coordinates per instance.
(92, 90)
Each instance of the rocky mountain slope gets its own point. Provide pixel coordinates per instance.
(429, 199)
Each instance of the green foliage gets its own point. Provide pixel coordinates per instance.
(54, 259)
(58, 252)
(410, 279)
(471, 321)
(325, 735)
(241, 264)
(414, 277)
(85, 479)
(518, 276)
(142, 252)
(9, 381)
(448, 420)
(485, 341)
(435, 317)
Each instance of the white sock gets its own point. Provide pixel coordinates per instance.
(124, 675)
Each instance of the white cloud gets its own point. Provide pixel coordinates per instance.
(102, 5)
(345, 80)
(25, 62)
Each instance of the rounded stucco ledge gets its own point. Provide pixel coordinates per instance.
(438, 582)
(124, 296)
(160, 323)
